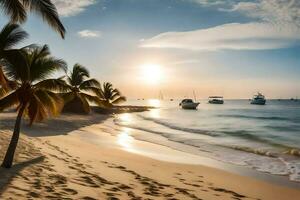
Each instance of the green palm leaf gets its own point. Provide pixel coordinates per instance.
(57, 85)
(16, 10)
(9, 101)
(10, 36)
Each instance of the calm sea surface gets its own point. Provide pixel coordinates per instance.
(266, 138)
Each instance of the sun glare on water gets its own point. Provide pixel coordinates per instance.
(124, 139)
(151, 73)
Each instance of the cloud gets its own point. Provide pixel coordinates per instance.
(235, 36)
(68, 8)
(272, 11)
(89, 34)
(276, 24)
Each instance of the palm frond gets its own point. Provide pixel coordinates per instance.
(57, 85)
(93, 90)
(92, 99)
(89, 83)
(51, 101)
(78, 75)
(48, 11)
(15, 65)
(9, 101)
(43, 68)
(84, 102)
(118, 100)
(14, 9)
(10, 36)
(36, 111)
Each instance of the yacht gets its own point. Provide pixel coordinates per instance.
(258, 99)
(215, 100)
(189, 104)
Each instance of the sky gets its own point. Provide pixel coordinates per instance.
(231, 48)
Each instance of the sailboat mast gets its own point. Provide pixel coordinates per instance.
(194, 95)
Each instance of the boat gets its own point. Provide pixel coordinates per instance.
(215, 100)
(258, 99)
(189, 104)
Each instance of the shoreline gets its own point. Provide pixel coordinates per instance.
(82, 170)
(177, 153)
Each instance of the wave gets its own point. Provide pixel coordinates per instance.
(254, 117)
(284, 128)
(293, 152)
(167, 135)
(252, 150)
(172, 126)
(244, 134)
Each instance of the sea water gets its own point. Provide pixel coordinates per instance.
(265, 138)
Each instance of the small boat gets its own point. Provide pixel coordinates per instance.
(215, 100)
(189, 104)
(258, 99)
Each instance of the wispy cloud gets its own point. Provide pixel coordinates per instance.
(236, 36)
(68, 8)
(276, 24)
(89, 34)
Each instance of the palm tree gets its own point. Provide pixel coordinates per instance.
(82, 90)
(111, 95)
(34, 94)
(17, 11)
(10, 36)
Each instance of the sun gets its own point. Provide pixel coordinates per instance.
(151, 73)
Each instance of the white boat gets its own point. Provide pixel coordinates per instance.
(189, 104)
(215, 100)
(258, 99)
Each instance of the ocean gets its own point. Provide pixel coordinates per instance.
(265, 138)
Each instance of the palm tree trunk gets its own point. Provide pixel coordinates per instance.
(9, 156)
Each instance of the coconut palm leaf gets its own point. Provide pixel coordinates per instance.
(48, 11)
(78, 75)
(15, 65)
(92, 90)
(119, 100)
(84, 102)
(43, 105)
(16, 10)
(10, 36)
(91, 98)
(50, 64)
(36, 110)
(9, 101)
(89, 83)
(53, 85)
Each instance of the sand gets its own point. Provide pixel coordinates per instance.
(53, 162)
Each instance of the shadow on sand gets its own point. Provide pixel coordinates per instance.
(53, 127)
(7, 175)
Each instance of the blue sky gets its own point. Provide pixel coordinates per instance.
(232, 48)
